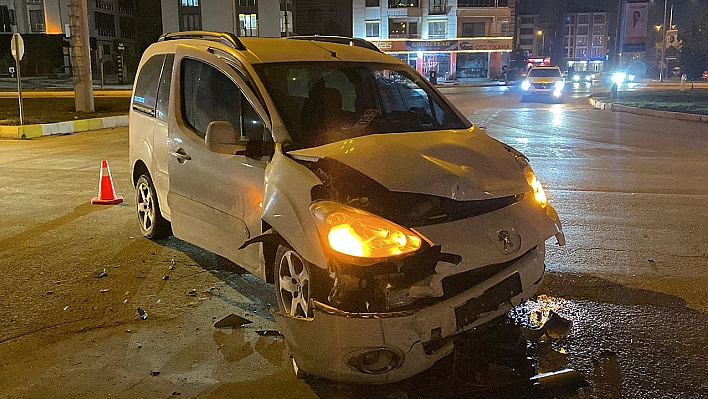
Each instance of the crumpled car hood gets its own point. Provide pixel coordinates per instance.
(459, 164)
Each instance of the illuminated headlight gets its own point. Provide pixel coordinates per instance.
(576, 78)
(525, 85)
(559, 85)
(588, 78)
(631, 78)
(558, 93)
(538, 193)
(619, 77)
(353, 232)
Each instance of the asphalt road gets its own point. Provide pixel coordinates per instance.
(631, 191)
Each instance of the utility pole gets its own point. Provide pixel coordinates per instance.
(662, 66)
(81, 56)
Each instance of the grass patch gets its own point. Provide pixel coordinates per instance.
(49, 110)
(689, 101)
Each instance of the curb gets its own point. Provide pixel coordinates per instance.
(48, 129)
(648, 112)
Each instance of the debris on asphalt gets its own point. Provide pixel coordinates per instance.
(50, 292)
(159, 300)
(166, 278)
(143, 314)
(57, 282)
(125, 300)
(102, 274)
(175, 393)
(66, 307)
(555, 327)
(192, 292)
(270, 333)
(154, 373)
(104, 291)
(231, 321)
(553, 383)
(651, 261)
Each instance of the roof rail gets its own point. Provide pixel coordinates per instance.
(351, 41)
(226, 38)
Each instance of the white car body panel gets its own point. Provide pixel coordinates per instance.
(462, 165)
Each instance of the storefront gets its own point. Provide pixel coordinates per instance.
(461, 59)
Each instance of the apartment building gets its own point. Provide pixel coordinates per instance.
(529, 39)
(586, 40)
(457, 39)
(264, 18)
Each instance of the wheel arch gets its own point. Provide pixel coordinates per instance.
(139, 169)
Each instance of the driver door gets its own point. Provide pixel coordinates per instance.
(214, 198)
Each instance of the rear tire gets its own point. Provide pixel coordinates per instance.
(152, 224)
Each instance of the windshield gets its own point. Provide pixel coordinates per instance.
(544, 73)
(325, 102)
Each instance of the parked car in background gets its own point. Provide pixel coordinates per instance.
(387, 223)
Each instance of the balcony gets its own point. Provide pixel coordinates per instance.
(403, 3)
(437, 9)
(405, 12)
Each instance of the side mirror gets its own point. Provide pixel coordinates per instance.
(221, 138)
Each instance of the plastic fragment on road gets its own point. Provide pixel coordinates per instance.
(154, 373)
(192, 292)
(102, 274)
(103, 291)
(269, 333)
(166, 278)
(231, 321)
(143, 314)
(66, 307)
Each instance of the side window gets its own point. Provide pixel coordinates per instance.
(208, 95)
(145, 95)
(163, 93)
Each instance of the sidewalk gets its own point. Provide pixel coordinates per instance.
(48, 129)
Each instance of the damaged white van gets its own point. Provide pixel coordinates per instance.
(386, 221)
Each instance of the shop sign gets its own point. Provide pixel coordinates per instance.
(486, 44)
(430, 45)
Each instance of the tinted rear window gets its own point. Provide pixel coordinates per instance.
(146, 85)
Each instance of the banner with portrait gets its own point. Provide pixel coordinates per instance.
(634, 29)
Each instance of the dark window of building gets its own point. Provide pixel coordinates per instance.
(583, 19)
(247, 3)
(598, 18)
(372, 3)
(526, 31)
(583, 30)
(127, 27)
(473, 29)
(403, 3)
(126, 6)
(163, 94)
(526, 42)
(526, 20)
(105, 24)
(145, 95)
(481, 3)
(7, 19)
(36, 21)
(372, 29)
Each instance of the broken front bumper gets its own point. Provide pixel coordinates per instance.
(392, 346)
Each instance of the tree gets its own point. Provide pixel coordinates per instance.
(694, 48)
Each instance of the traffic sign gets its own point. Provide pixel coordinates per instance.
(17, 46)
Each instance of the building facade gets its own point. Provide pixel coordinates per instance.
(585, 44)
(324, 17)
(527, 34)
(455, 39)
(264, 18)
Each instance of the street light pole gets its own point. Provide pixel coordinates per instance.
(662, 67)
(543, 41)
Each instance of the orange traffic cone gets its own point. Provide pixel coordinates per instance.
(106, 194)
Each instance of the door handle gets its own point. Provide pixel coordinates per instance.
(181, 156)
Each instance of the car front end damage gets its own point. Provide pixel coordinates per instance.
(387, 319)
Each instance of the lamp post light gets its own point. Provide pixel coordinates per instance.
(662, 66)
(543, 41)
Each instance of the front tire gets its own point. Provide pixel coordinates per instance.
(152, 224)
(292, 282)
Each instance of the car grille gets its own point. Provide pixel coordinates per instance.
(541, 85)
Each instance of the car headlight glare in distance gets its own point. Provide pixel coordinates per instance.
(525, 85)
(576, 78)
(559, 85)
(354, 232)
(619, 77)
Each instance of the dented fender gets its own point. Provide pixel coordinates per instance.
(286, 206)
